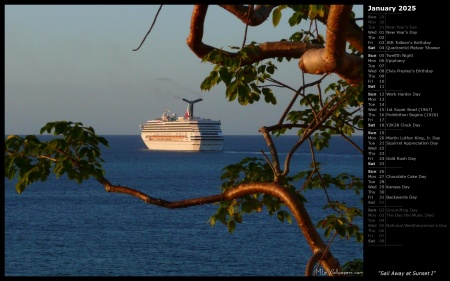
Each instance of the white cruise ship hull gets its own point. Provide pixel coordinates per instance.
(186, 145)
(199, 135)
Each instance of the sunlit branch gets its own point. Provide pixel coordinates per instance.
(322, 256)
(273, 151)
(316, 256)
(289, 198)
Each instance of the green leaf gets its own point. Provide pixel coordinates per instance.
(47, 128)
(280, 216)
(231, 92)
(231, 226)
(237, 217)
(288, 217)
(210, 81)
(212, 220)
(225, 75)
(327, 232)
(276, 16)
(270, 69)
(60, 127)
(340, 228)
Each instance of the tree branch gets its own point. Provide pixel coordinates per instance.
(273, 152)
(260, 14)
(289, 198)
(266, 50)
(333, 58)
(314, 58)
(317, 255)
(151, 27)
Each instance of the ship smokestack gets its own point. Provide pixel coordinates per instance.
(191, 107)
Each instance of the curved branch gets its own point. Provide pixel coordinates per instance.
(347, 66)
(289, 198)
(337, 25)
(317, 255)
(160, 202)
(266, 50)
(333, 58)
(355, 35)
(326, 250)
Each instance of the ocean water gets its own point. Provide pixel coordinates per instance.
(60, 228)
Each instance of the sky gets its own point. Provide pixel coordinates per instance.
(76, 63)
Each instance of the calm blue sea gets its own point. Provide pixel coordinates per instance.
(60, 228)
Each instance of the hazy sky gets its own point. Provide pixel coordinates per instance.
(76, 63)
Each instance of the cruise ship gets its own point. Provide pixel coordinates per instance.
(187, 133)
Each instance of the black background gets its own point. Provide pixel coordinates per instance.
(409, 249)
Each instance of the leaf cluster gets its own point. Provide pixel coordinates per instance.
(341, 101)
(74, 150)
(242, 82)
(300, 13)
(343, 217)
(248, 170)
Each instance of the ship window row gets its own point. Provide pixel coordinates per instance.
(181, 131)
(184, 132)
(181, 127)
(206, 138)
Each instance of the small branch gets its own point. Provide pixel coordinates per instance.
(271, 166)
(259, 16)
(154, 20)
(298, 92)
(273, 151)
(352, 142)
(315, 170)
(249, 14)
(47, 157)
(317, 255)
(311, 128)
(326, 250)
